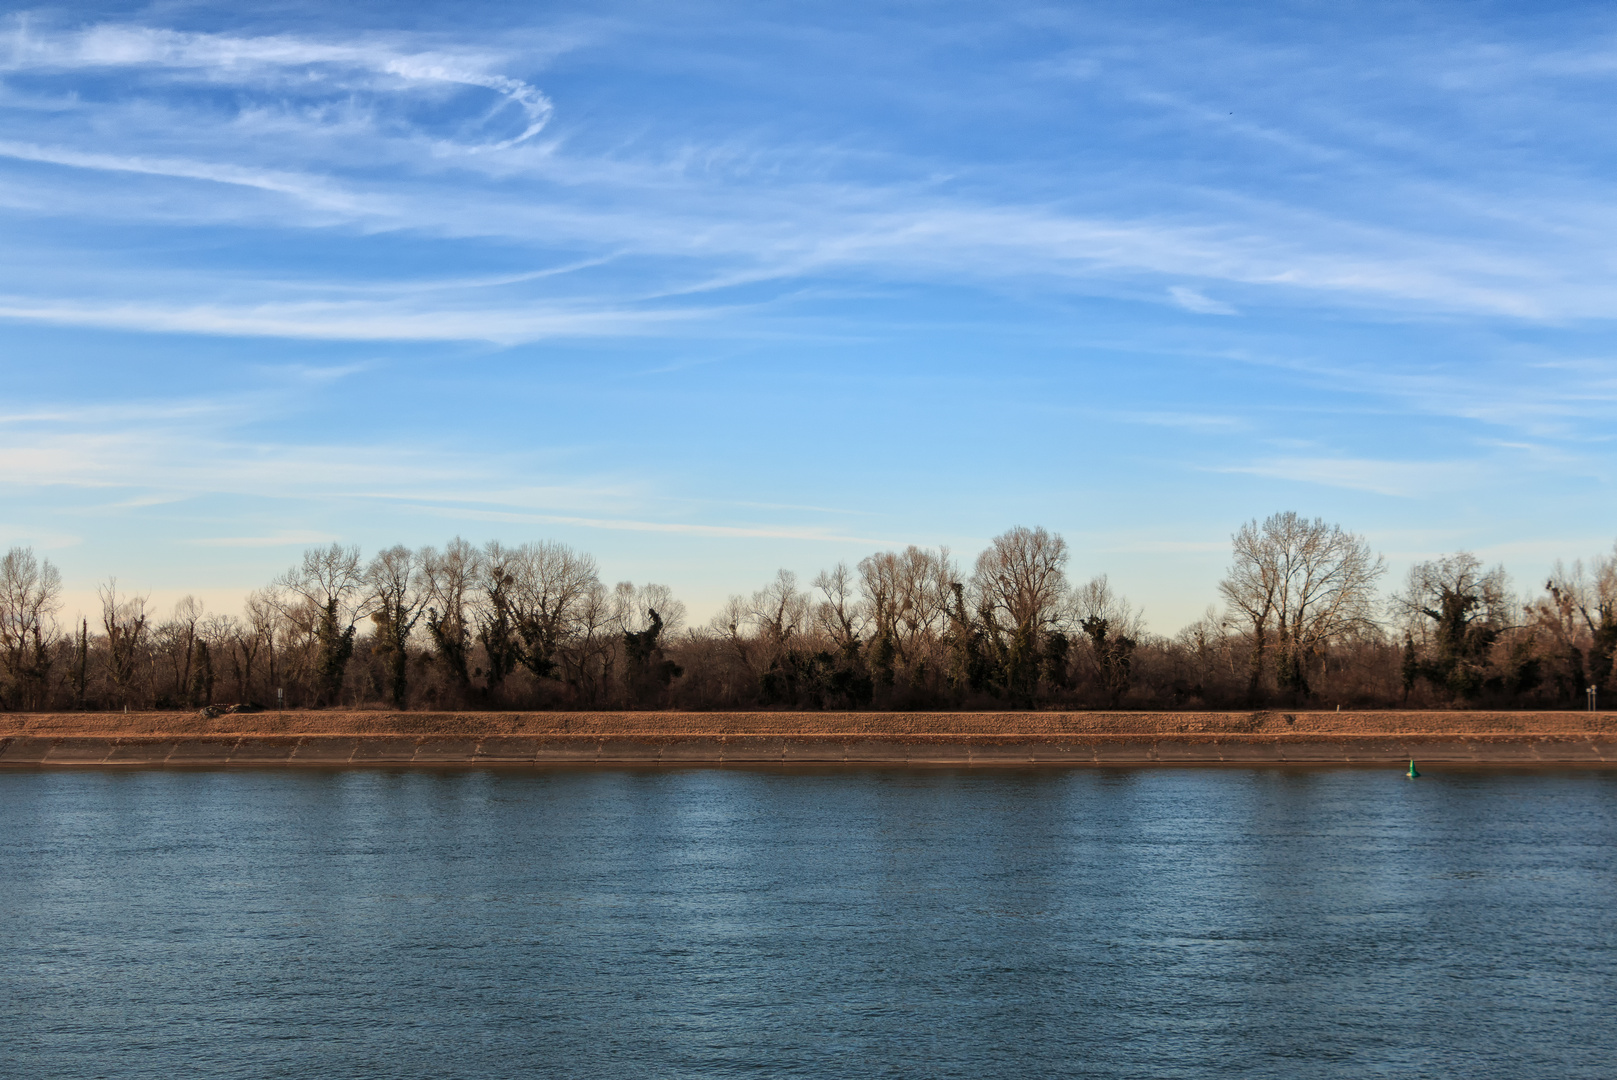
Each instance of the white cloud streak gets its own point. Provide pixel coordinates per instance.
(291, 538)
(1401, 479)
(354, 321)
(232, 59)
(146, 454)
(689, 229)
(309, 189)
(1192, 300)
(751, 532)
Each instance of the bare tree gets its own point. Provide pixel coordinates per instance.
(1251, 591)
(640, 617)
(496, 613)
(587, 658)
(781, 617)
(1590, 597)
(1558, 631)
(124, 620)
(632, 606)
(669, 608)
(1204, 648)
(1020, 583)
(216, 636)
(553, 588)
(256, 635)
(1113, 627)
(779, 612)
(331, 581)
(176, 640)
(1296, 586)
(30, 594)
(1453, 592)
(395, 605)
(1022, 578)
(79, 674)
(839, 615)
(448, 579)
(907, 598)
(1455, 609)
(729, 623)
(1096, 599)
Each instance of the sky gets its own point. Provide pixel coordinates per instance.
(709, 289)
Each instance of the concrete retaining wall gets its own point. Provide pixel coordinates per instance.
(741, 749)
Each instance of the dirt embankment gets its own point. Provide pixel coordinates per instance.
(1161, 724)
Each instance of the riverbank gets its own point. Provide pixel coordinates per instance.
(339, 738)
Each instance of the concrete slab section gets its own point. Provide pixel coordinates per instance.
(628, 751)
(78, 751)
(508, 750)
(1174, 752)
(202, 751)
(1062, 752)
(24, 750)
(568, 749)
(1124, 753)
(876, 751)
(1555, 750)
(810, 751)
(1450, 751)
(1446, 751)
(1001, 753)
(946, 752)
(445, 750)
(752, 749)
(1243, 752)
(695, 749)
(1575, 751)
(272, 750)
(1324, 752)
(1503, 752)
(141, 751)
(324, 750)
(385, 750)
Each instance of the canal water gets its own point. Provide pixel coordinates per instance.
(846, 923)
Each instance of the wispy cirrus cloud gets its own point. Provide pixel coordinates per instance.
(282, 61)
(285, 538)
(947, 277)
(821, 533)
(768, 241)
(310, 189)
(700, 218)
(146, 454)
(1401, 479)
(355, 321)
(1194, 300)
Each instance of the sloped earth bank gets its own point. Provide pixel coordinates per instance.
(1020, 738)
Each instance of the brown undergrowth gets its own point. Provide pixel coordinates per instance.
(366, 722)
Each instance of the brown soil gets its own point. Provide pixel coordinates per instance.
(1169, 724)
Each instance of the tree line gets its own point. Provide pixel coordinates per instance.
(1302, 622)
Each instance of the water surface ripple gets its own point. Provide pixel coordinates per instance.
(838, 923)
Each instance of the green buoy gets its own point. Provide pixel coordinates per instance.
(1413, 772)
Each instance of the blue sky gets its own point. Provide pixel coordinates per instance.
(709, 289)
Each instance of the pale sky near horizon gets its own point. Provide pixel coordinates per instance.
(708, 289)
